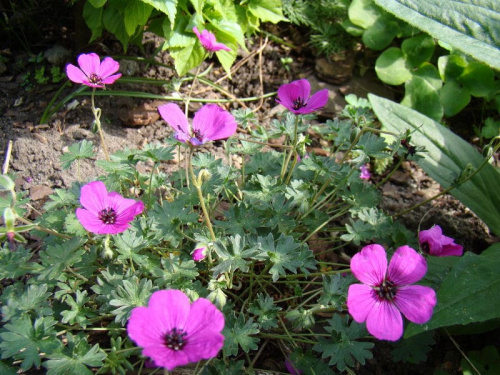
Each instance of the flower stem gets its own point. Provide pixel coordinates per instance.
(197, 184)
(293, 152)
(97, 117)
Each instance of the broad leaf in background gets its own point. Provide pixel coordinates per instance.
(469, 26)
(468, 294)
(446, 156)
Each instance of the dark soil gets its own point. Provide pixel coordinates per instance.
(132, 123)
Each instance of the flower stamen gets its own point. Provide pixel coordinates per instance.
(107, 216)
(299, 103)
(386, 291)
(175, 339)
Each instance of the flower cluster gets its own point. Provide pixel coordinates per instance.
(174, 332)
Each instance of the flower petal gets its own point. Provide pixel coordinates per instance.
(174, 117)
(203, 317)
(90, 221)
(89, 63)
(213, 123)
(143, 331)
(406, 266)
(317, 101)
(220, 46)
(416, 302)
(360, 301)
(126, 209)
(75, 74)
(370, 265)
(111, 79)
(204, 345)
(171, 307)
(94, 196)
(107, 68)
(165, 357)
(385, 321)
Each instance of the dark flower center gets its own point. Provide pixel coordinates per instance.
(175, 339)
(386, 291)
(425, 247)
(198, 135)
(108, 216)
(95, 79)
(299, 103)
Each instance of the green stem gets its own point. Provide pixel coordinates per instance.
(197, 185)
(293, 151)
(97, 116)
(42, 229)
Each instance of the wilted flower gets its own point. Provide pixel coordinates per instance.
(174, 332)
(295, 97)
(365, 173)
(106, 213)
(210, 123)
(92, 72)
(386, 292)
(199, 254)
(433, 242)
(208, 41)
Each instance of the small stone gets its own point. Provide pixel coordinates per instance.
(40, 192)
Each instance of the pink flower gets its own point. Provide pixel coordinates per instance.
(92, 72)
(210, 123)
(295, 97)
(174, 332)
(199, 254)
(386, 292)
(208, 41)
(365, 173)
(290, 367)
(106, 213)
(433, 242)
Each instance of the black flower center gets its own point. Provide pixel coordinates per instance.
(425, 247)
(298, 103)
(108, 216)
(197, 134)
(95, 79)
(175, 340)
(386, 291)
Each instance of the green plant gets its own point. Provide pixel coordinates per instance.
(435, 86)
(230, 20)
(325, 20)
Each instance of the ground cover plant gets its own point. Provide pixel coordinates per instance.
(216, 265)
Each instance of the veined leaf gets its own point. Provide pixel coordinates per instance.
(446, 157)
(468, 294)
(470, 26)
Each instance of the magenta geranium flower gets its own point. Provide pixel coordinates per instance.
(365, 173)
(433, 242)
(174, 332)
(386, 292)
(92, 72)
(106, 213)
(199, 254)
(210, 123)
(295, 97)
(208, 41)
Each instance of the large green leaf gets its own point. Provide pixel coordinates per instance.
(446, 156)
(470, 26)
(468, 294)
(169, 7)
